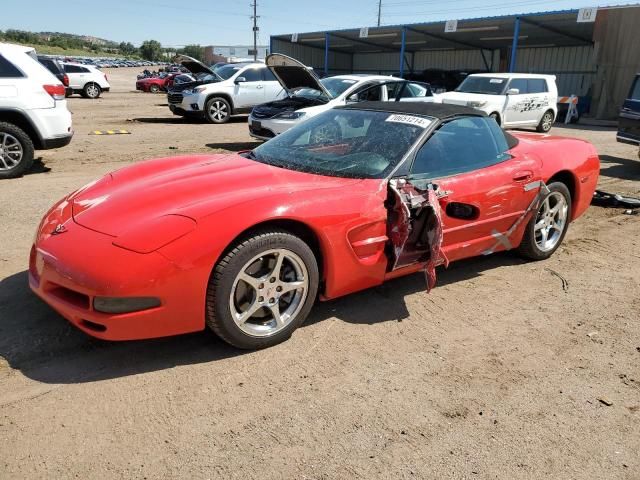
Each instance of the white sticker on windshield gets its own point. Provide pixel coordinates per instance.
(349, 82)
(409, 119)
(496, 80)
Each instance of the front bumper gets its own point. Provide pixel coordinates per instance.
(267, 128)
(70, 269)
(192, 105)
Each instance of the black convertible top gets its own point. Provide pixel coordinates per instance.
(440, 111)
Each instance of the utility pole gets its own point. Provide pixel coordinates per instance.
(255, 30)
(379, 11)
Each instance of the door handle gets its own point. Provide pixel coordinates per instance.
(260, 86)
(523, 176)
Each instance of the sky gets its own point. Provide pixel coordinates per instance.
(227, 22)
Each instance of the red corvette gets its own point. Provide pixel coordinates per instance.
(244, 243)
(155, 84)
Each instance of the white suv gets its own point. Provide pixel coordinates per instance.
(33, 110)
(513, 99)
(86, 80)
(228, 90)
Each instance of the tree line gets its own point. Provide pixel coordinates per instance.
(149, 50)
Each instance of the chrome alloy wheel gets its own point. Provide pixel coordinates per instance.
(269, 292)
(92, 91)
(551, 221)
(547, 121)
(218, 111)
(11, 151)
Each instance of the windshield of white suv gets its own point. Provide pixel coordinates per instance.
(228, 71)
(345, 143)
(486, 85)
(335, 86)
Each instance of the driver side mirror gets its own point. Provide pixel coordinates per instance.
(352, 98)
(513, 91)
(240, 80)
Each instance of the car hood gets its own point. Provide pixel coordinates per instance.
(293, 75)
(192, 186)
(193, 65)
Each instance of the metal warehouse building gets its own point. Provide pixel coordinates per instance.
(593, 52)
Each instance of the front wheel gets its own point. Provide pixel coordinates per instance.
(262, 290)
(547, 228)
(154, 89)
(217, 110)
(546, 122)
(91, 90)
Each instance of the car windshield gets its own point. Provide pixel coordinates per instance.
(345, 143)
(486, 85)
(228, 71)
(335, 86)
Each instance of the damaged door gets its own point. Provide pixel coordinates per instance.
(415, 226)
(465, 192)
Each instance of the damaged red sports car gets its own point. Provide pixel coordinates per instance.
(245, 243)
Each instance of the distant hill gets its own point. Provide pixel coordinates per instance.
(84, 38)
(61, 42)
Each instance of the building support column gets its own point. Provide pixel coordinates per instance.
(326, 54)
(514, 45)
(402, 49)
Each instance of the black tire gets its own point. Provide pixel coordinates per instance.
(154, 89)
(217, 110)
(221, 283)
(91, 90)
(496, 117)
(546, 122)
(528, 248)
(7, 171)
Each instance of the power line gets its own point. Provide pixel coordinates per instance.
(255, 29)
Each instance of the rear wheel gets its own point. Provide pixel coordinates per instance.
(16, 151)
(154, 89)
(496, 117)
(262, 290)
(546, 122)
(91, 90)
(217, 110)
(547, 228)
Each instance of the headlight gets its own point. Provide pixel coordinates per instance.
(290, 115)
(188, 91)
(476, 104)
(198, 89)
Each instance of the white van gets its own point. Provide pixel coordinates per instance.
(513, 99)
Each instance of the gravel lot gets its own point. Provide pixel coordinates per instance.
(499, 372)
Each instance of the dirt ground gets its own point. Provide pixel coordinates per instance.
(499, 372)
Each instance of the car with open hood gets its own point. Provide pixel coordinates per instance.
(308, 95)
(219, 93)
(246, 242)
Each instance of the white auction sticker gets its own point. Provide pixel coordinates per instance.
(496, 80)
(410, 120)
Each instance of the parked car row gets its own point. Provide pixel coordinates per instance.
(105, 62)
(283, 92)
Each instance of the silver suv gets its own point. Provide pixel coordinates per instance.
(216, 95)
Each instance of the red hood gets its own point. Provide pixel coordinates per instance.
(193, 186)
